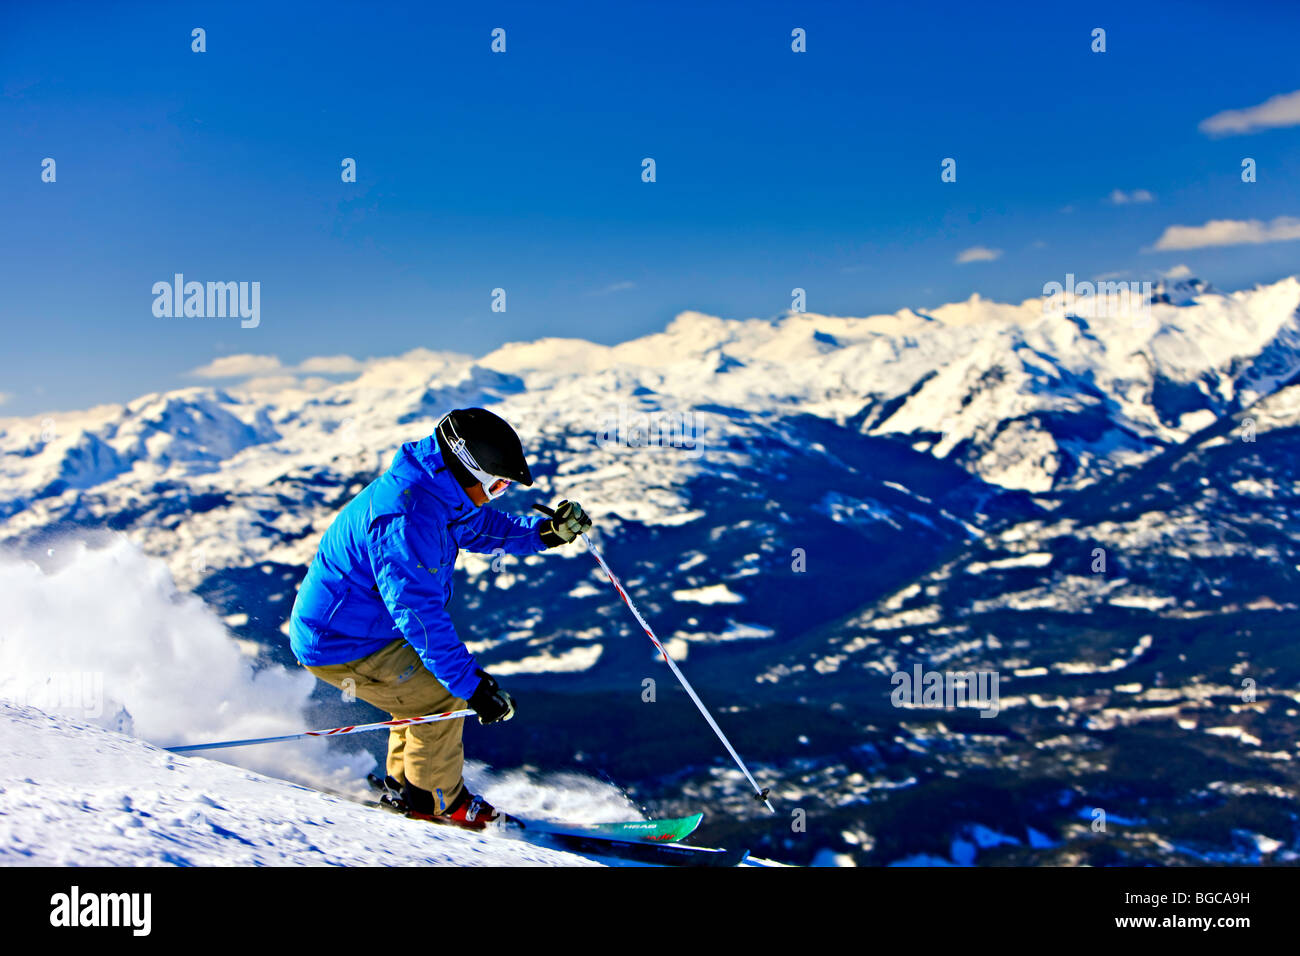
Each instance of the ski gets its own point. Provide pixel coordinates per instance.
(665, 830)
(657, 854)
(651, 842)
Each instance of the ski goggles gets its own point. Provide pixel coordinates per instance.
(493, 486)
(497, 488)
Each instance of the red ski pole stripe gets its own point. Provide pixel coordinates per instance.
(331, 732)
(628, 601)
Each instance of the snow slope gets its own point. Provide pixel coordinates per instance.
(75, 794)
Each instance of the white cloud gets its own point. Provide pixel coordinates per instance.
(238, 366)
(1177, 272)
(1278, 111)
(978, 254)
(1228, 232)
(4, 397)
(269, 384)
(269, 367)
(332, 365)
(1119, 197)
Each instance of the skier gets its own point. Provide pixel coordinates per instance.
(371, 614)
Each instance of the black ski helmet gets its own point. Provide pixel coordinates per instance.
(490, 442)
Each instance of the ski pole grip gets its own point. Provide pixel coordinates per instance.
(538, 506)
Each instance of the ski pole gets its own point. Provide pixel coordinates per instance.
(332, 732)
(760, 793)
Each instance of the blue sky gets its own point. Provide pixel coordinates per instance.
(522, 170)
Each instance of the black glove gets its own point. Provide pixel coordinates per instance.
(569, 522)
(490, 702)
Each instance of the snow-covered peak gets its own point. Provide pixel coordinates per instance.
(411, 370)
(557, 356)
(977, 311)
(1181, 291)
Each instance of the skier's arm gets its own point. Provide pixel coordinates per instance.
(487, 529)
(405, 556)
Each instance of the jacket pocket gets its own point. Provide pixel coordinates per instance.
(321, 602)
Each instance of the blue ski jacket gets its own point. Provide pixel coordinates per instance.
(383, 571)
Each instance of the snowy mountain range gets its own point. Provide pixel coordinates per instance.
(802, 506)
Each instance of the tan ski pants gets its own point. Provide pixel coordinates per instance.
(430, 756)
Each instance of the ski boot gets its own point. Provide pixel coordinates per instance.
(468, 810)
